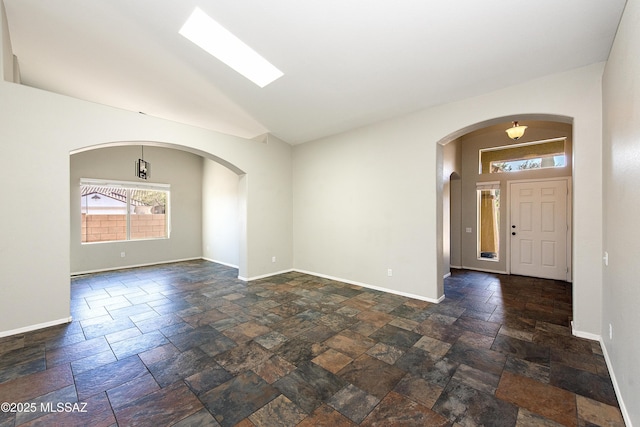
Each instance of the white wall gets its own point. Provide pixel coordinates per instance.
(450, 213)
(180, 169)
(39, 130)
(360, 209)
(220, 215)
(7, 54)
(369, 200)
(621, 157)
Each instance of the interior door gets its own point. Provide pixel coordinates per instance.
(539, 229)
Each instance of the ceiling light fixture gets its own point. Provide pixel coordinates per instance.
(216, 40)
(516, 131)
(142, 168)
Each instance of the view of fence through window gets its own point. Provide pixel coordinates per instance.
(119, 212)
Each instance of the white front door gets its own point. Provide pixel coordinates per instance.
(539, 229)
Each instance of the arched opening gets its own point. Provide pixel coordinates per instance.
(206, 216)
(462, 171)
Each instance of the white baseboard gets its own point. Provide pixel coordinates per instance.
(616, 388)
(220, 262)
(585, 335)
(447, 275)
(377, 288)
(595, 337)
(485, 270)
(249, 279)
(124, 267)
(35, 327)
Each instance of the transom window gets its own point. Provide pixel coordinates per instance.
(549, 153)
(118, 211)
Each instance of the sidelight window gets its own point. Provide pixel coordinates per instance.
(488, 245)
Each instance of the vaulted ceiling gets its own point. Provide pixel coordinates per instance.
(346, 63)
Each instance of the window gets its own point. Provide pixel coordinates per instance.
(488, 220)
(518, 157)
(117, 211)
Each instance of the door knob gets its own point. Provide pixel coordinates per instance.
(513, 233)
(513, 226)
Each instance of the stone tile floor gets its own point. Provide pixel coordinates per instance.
(187, 344)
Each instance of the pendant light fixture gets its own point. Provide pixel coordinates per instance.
(516, 131)
(142, 168)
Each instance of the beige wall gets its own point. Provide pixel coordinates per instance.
(455, 231)
(495, 136)
(180, 169)
(621, 158)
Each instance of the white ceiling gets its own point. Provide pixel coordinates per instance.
(346, 63)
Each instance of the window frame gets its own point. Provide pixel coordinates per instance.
(128, 186)
(485, 165)
(493, 186)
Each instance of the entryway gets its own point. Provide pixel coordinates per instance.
(488, 163)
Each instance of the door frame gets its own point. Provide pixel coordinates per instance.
(569, 277)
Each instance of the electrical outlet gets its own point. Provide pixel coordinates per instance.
(122, 254)
(606, 258)
(469, 230)
(273, 259)
(389, 272)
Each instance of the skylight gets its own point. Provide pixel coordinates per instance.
(212, 37)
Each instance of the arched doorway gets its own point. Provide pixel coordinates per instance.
(205, 192)
(461, 157)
